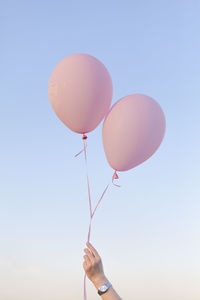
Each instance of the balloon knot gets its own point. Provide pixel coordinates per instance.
(84, 137)
(115, 176)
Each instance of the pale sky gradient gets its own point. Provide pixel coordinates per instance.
(148, 231)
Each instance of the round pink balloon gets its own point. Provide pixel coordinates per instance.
(80, 92)
(132, 131)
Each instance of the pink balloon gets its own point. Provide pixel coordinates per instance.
(80, 92)
(132, 131)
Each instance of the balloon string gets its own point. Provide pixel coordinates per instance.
(88, 183)
(90, 205)
(115, 176)
(79, 153)
(89, 232)
(84, 146)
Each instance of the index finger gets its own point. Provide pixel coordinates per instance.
(94, 251)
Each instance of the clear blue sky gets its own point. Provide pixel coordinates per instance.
(147, 232)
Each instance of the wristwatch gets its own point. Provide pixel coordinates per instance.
(103, 288)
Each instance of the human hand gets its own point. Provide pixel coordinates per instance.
(93, 265)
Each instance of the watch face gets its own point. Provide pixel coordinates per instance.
(103, 288)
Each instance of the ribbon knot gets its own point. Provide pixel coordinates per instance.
(84, 137)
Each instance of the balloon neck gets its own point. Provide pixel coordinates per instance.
(84, 137)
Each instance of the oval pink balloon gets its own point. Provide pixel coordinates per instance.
(132, 131)
(80, 92)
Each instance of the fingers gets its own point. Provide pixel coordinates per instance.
(87, 260)
(89, 254)
(93, 250)
(92, 257)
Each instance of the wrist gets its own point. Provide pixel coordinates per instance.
(98, 281)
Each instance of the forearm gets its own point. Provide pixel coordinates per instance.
(111, 294)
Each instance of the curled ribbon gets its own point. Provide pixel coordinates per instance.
(115, 176)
